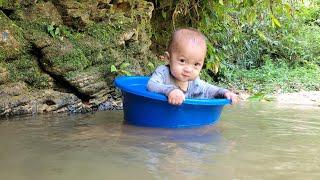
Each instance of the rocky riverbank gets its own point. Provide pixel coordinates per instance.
(62, 56)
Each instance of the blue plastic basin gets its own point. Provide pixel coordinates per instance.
(144, 108)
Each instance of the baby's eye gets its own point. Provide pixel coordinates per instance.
(182, 61)
(197, 64)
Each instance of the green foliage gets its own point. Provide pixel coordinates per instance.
(275, 77)
(251, 43)
(58, 31)
(121, 70)
(53, 31)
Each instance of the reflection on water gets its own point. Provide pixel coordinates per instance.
(252, 141)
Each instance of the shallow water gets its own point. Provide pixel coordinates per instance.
(251, 141)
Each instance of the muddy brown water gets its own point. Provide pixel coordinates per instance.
(251, 141)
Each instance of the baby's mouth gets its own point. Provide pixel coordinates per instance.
(186, 76)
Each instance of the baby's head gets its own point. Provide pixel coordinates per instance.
(186, 53)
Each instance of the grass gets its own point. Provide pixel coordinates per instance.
(274, 78)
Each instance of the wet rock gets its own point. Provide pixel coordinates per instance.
(19, 102)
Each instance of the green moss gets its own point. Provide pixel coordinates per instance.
(72, 61)
(15, 38)
(92, 49)
(9, 4)
(2, 65)
(108, 32)
(26, 69)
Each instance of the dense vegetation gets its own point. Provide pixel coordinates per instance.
(263, 46)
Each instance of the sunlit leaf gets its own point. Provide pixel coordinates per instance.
(288, 8)
(150, 65)
(275, 21)
(113, 68)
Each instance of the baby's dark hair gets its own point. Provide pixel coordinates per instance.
(177, 35)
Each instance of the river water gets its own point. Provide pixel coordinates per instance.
(251, 141)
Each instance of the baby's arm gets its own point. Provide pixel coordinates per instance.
(157, 81)
(211, 91)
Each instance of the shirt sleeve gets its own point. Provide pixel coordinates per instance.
(211, 91)
(158, 81)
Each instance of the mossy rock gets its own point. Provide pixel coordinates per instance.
(26, 69)
(3, 73)
(74, 14)
(61, 56)
(9, 4)
(92, 49)
(40, 13)
(12, 41)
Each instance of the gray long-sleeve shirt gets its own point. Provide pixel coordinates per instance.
(162, 82)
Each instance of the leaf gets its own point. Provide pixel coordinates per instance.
(164, 14)
(51, 33)
(113, 68)
(124, 65)
(216, 68)
(221, 2)
(50, 28)
(275, 21)
(57, 31)
(150, 65)
(288, 8)
(262, 36)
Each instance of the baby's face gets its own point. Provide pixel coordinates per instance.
(187, 60)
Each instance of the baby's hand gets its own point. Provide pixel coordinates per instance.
(176, 97)
(232, 96)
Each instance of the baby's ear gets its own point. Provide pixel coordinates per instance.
(166, 56)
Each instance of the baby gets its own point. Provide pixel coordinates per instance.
(180, 78)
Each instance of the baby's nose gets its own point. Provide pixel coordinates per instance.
(188, 69)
